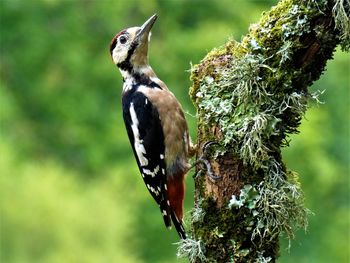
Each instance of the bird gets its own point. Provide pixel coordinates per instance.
(155, 124)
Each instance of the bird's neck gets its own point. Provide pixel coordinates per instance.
(139, 75)
(139, 71)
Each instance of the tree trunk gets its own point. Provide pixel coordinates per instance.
(249, 97)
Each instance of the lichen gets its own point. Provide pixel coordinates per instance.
(191, 249)
(197, 213)
(262, 259)
(280, 207)
(254, 94)
(248, 197)
(341, 14)
(246, 95)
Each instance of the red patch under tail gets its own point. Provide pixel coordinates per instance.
(176, 194)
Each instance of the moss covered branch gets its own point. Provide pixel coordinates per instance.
(250, 96)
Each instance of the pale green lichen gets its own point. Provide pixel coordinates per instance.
(280, 206)
(248, 197)
(276, 204)
(218, 233)
(245, 110)
(262, 259)
(197, 212)
(191, 249)
(341, 14)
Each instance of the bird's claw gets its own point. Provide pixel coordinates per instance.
(203, 159)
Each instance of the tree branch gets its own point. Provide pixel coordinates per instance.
(249, 97)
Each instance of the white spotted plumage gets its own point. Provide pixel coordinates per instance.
(139, 148)
(152, 173)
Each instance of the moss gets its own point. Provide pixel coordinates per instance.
(218, 57)
(249, 97)
(231, 231)
(245, 88)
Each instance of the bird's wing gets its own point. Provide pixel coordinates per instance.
(147, 140)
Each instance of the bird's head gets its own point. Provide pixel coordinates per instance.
(129, 47)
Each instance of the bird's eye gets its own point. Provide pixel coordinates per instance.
(122, 40)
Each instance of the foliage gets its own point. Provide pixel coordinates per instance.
(69, 187)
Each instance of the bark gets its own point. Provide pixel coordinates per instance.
(249, 97)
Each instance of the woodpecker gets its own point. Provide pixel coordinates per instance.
(155, 124)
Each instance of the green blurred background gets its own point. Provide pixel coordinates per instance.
(70, 190)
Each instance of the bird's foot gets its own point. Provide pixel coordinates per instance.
(203, 159)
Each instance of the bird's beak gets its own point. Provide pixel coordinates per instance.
(146, 28)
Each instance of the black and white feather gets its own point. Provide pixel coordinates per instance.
(147, 140)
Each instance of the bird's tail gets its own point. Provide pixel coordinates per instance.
(166, 213)
(178, 225)
(168, 216)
